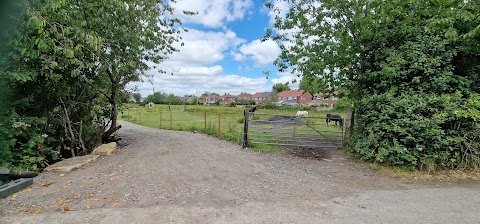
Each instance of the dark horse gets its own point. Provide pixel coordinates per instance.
(250, 110)
(336, 118)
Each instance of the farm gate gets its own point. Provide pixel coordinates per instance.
(292, 131)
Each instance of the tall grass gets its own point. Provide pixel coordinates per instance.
(204, 119)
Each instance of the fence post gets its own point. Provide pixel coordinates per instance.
(205, 119)
(245, 129)
(218, 124)
(140, 119)
(160, 120)
(170, 119)
(348, 126)
(128, 115)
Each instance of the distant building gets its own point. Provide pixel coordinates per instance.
(294, 98)
(244, 96)
(327, 99)
(261, 97)
(227, 98)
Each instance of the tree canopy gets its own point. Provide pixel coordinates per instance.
(67, 64)
(280, 87)
(389, 56)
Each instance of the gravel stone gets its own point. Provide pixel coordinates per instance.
(162, 176)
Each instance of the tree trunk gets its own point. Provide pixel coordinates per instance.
(113, 126)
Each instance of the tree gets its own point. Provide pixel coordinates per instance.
(67, 64)
(313, 84)
(137, 97)
(280, 87)
(390, 56)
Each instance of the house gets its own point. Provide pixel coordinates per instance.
(211, 99)
(327, 99)
(244, 96)
(295, 97)
(227, 98)
(261, 97)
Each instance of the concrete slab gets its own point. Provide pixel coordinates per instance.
(71, 163)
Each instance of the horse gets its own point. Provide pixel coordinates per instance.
(249, 111)
(150, 104)
(302, 113)
(334, 117)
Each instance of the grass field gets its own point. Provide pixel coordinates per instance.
(204, 119)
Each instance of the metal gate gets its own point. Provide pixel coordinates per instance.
(292, 131)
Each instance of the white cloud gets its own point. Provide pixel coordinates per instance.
(281, 9)
(284, 77)
(204, 47)
(261, 53)
(198, 79)
(213, 13)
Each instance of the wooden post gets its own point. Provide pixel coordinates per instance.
(205, 126)
(218, 124)
(160, 120)
(348, 126)
(170, 119)
(128, 115)
(245, 129)
(140, 119)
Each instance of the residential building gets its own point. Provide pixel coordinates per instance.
(227, 98)
(245, 96)
(327, 99)
(294, 97)
(261, 97)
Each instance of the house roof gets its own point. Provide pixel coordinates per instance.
(244, 95)
(297, 92)
(266, 94)
(261, 94)
(257, 94)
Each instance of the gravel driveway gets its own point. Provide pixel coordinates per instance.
(181, 177)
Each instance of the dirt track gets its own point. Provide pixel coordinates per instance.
(181, 177)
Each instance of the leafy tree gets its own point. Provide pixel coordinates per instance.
(280, 87)
(206, 93)
(137, 97)
(389, 56)
(67, 63)
(313, 84)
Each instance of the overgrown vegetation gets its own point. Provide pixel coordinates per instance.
(64, 66)
(411, 67)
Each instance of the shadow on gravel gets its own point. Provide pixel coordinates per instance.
(314, 154)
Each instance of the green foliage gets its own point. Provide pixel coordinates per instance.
(280, 87)
(137, 97)
(415, 130)
(163, 98)
(343, 104)
(65, 65)
(411, 67)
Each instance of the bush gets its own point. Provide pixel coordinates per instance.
(423, 131)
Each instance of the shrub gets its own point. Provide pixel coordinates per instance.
(423, 131)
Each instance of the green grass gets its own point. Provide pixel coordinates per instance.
(193, 119)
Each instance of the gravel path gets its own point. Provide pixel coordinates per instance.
(182, 177)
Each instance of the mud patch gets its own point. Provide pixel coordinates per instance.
(314, 153)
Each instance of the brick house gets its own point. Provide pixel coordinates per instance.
(261, 97)
(245, 96)
(321, 98)
(211, 99)
(227, 98)
(294, 97)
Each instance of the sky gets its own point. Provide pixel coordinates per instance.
(222, 52)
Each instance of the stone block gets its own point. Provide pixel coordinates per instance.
(106, 149)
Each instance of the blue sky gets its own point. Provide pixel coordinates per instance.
(222, 51)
